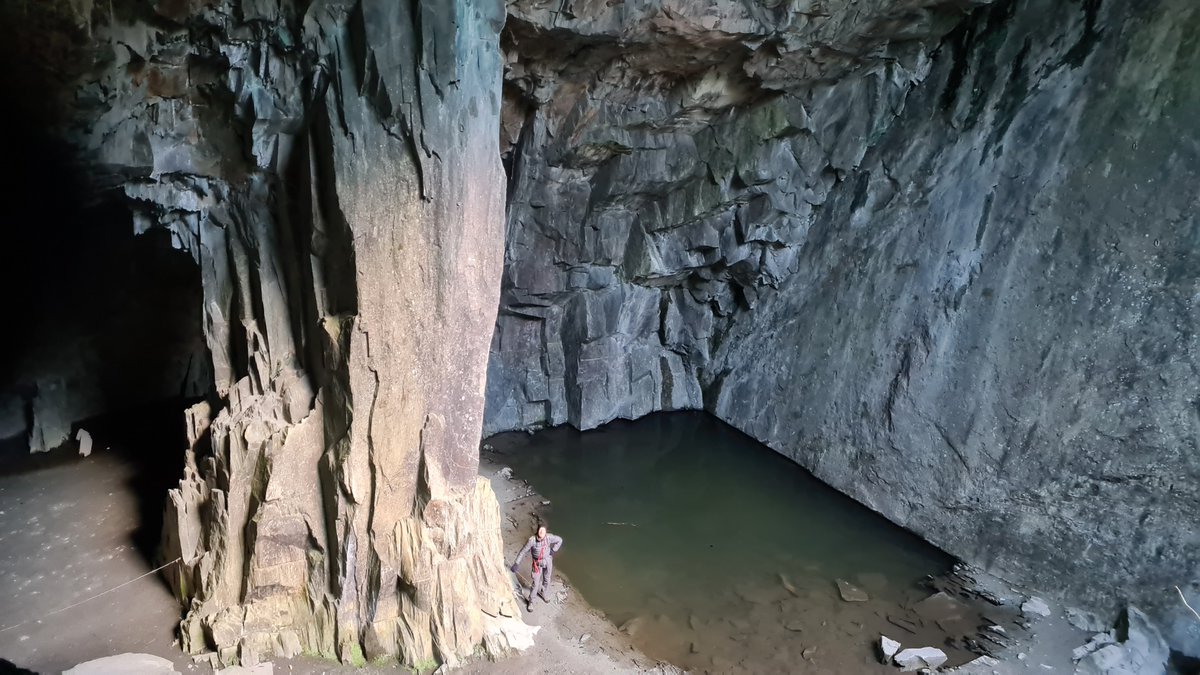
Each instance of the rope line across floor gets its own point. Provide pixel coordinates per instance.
(102, 593)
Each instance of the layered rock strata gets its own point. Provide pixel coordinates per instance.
(667, 161)
(955, 277)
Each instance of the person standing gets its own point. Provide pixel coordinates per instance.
(541, 547)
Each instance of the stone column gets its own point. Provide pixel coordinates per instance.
(332, 502)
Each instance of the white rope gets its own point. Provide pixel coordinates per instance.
(1185, 602)
(114, 588)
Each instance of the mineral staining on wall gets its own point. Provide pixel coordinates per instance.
(956, 277)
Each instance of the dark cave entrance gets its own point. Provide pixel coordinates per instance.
(102, 334)
(104, 328)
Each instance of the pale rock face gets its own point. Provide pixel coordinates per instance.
(331, 167)
(952, 275)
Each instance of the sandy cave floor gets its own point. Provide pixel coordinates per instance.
(70, 528)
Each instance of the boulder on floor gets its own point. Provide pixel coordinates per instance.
(1035, 606)
(124, 664)
(85, 442)
(850, 592)
(1141, 648)
(888, 648)
(916, 659)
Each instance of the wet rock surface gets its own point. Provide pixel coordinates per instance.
(952, 276)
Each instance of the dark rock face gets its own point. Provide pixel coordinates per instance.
(331, 168)
(107, 323)
(956, 278)
(668, 162)
(98, 322)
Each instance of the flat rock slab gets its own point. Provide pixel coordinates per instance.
(1035, 606)
(916, 659)
(125, 664)
(851, 593)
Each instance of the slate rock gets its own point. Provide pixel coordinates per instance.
(124, 664)
(851, 593)
(916, 659)
(1140, 648)
(888, 648)
(1035, 606)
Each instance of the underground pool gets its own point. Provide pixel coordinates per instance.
(713, 552)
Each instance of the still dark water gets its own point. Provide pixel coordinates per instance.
(716, 553)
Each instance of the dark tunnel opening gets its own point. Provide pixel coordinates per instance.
(104, 331)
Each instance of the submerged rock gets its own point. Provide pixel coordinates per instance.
(850, 592)
(788, 585)
(941, 606)
(632, 626)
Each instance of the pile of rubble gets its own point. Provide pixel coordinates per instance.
(977, 615)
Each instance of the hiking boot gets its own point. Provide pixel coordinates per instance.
(529, 605)
(544, 598)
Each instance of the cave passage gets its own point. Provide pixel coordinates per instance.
(688, 534)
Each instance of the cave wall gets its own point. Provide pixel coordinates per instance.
(956, 279)
(667, 161)
(99, 322)
(109, 324)
(330, 170)
(991, 339)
